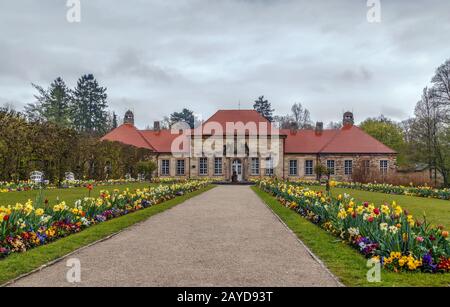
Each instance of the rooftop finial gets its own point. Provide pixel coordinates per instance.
(128, 118)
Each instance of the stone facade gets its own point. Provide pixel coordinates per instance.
(242, 156)
(373, 164)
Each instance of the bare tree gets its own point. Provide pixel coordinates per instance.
(428, 129)
(334, 125)
(441, 88)
(301, 116)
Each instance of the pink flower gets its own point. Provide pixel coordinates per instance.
(419, 239)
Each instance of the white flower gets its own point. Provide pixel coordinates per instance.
(393, 229)
(384, 226)
(353, 231)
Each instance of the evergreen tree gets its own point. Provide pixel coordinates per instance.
(114, 120)
(89, 106)
(52, 104)
(185, 115)
(263, 107)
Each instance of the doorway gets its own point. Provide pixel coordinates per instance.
(236, 171)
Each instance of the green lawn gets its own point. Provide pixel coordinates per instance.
(437, 211)
(344, 261)
(67, 195)
(18, 264)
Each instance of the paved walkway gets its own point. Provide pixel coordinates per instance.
(223, 237)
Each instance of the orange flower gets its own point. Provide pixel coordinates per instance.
(445, 234)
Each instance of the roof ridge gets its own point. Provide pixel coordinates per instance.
(373, 138)
(338, 131)
(144, 138)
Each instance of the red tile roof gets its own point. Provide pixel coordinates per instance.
(222, 117)
(161, 140)
(348, 140)
(128, 134)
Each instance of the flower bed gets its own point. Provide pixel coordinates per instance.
(30, 185)
(424, 191)
(23, 226)
(386, 233)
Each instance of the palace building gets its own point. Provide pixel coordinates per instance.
(238, 145)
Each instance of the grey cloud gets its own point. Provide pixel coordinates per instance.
(158, 56)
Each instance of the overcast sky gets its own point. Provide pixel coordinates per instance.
(158, 56)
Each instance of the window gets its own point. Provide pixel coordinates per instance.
(331, 167)
(203, 167)
(165, 167)
(309, 167)
(348, 167)
(366, 166)
(180, 167)
(384, 165)
(269, 166)
(218, 166)
(293, 168)
(255, 166)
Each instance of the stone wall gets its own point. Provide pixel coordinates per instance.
(357, 161)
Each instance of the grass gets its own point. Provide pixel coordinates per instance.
(67, 195)
(437, 211)
(342, 260)
(18, 264)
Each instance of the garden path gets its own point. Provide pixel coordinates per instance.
(224, 237)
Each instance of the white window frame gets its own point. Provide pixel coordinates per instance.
(293, 167)
(384, 168)
(348, 167)
(218, 166)
(269, 167)
(165, 169)
(255, 169)
(309, 170)
(203, 166)
(331, 167)
(181, 165)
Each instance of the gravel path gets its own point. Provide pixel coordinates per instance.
(223, 237)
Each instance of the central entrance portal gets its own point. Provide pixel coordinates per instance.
(236, 171)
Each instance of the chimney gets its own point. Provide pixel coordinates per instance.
(157, 126)
(319, 128)
(293, 127)
(348, 120)
(128, 118)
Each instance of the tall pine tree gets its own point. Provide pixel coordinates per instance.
(89, 106)
(52, 104)
(263, 107)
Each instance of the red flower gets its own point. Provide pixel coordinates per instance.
(370, 219)
(366, 204)
(432, 238)
(376, 211)
(89, 187)
(354, 215)
(6, 218)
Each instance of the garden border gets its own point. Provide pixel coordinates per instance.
(310, 252)
(59, 259)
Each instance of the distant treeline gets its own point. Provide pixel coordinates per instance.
(28, 145)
